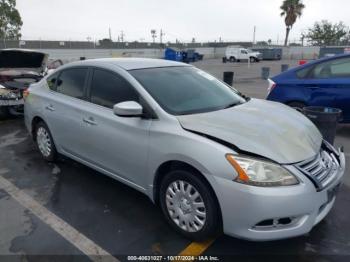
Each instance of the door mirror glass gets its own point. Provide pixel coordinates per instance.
(128, 109)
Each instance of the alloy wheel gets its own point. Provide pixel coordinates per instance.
(44, 141)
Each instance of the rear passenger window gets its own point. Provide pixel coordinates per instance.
(336, 68)
(304, 73)
(108, 89)
(51, 81)
(71, 82)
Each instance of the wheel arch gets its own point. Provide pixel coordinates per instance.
(232, 58)
(170, 165)
(35, 121)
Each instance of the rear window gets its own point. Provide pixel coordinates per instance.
(304, 73)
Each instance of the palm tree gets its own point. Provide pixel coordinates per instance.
(291, 9)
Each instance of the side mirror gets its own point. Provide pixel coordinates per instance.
(128, 109)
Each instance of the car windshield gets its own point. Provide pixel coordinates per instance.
(186, 90)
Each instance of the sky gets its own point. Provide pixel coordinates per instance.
(205, 20)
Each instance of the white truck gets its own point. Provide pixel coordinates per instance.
(237, 54)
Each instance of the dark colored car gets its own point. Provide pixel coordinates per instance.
(18, 69)
(324, 82)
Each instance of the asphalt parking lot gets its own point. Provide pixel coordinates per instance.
(68, 209)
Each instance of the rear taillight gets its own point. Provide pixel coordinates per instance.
(272, 85)
(25, 93)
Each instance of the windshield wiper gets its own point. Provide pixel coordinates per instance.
(231, 105)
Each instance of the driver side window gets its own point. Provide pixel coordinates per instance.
(108, 89)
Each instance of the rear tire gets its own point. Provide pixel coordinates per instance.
(188, 205)
(232, 59)
(4, 112)
(252, 59)
(44, 142)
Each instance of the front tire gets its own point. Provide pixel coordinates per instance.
(189, 205)
(45, 142)
(4, 112)
(252, 59)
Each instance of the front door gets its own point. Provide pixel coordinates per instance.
(117, 144)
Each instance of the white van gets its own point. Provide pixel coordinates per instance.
(236, 54)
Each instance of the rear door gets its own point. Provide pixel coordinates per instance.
(328, 84)
(117, 144)
(64, 109)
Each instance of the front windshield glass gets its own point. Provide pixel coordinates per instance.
(186, 90)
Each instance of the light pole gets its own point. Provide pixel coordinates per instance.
(161, 36)
(154, 35)
(254, 32)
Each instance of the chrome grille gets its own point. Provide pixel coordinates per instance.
(322, 169)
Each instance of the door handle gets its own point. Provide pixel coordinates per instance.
(90, 121)
(50, 108)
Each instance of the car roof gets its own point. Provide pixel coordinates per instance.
(129, 63)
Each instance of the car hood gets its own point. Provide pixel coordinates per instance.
(22, 60)
(269, 129)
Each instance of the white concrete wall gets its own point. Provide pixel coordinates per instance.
(68, 55)
(211, 52)
(301, 52)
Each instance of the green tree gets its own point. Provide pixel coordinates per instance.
(291, 10)
(325, 33)
(10, 20)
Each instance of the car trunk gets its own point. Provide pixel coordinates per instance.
(19, 68)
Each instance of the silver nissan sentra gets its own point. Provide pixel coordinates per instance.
(213, 159)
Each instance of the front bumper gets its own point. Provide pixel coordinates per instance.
(11, 102)
(245, 207)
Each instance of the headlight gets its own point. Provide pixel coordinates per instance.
(5, 93)
(12, 95)
(260, 173)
